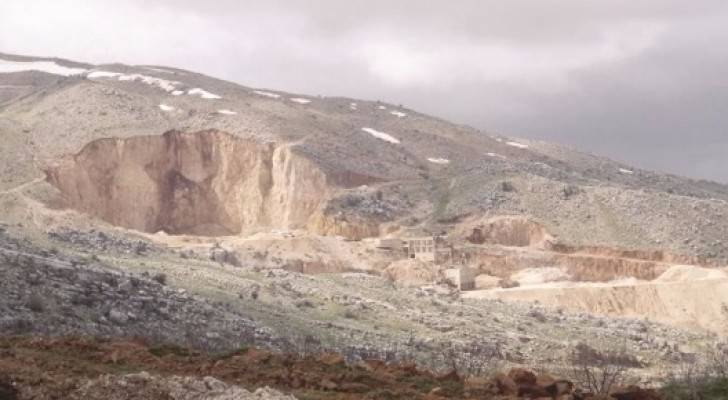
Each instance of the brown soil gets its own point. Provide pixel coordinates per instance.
(42, 368)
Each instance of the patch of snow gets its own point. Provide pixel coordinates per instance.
(43, 66)
(626, 171)
(381, 135)
(203, 93)
(165, 107)
(167, 86)
(439, 160)
(178, 92)
(353, 106)
(267, 94)
(496, 155)
(103, 74)
(398, 114)
(163, 84)
(300, 100)
(382, 107)
(499, 140)
(226, 112)
(162, 70)
(516, 144)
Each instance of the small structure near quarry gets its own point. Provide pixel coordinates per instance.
(421, 248)
(462, 277)
(434, 249)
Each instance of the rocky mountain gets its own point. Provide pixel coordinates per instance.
(161, 204)
(334, 165)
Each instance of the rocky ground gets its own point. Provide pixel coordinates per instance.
(201, 303)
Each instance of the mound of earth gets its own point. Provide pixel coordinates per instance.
(412, 272)
(506, 231)
(535, 276)
(685, 273)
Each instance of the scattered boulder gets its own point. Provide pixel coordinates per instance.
(522, 377)
(411, 272)
(506, 385)
(7, 390)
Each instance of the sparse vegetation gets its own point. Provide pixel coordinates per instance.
(160, 278)
(599, 371)
(168, 349)
(36, 303)
(706, 380)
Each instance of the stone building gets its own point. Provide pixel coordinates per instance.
(433, 249)
(462, 277)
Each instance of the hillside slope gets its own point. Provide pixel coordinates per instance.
(419, 171)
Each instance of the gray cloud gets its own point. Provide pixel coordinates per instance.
(641, 82)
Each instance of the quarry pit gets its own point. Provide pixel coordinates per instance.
(206, 183)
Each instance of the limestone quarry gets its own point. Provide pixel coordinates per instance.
(205, 183)
(193, 211)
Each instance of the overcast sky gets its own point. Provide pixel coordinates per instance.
(640, 81)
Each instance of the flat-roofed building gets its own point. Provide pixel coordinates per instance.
(427, 248)
(462, 277)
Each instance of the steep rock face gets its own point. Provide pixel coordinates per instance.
(205, 183)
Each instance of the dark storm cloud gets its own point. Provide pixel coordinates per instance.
(639, 81)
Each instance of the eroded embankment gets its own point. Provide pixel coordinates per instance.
(504, 245)
(205, 183)
(582, 267)
(684, 296)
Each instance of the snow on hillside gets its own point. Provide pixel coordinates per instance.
(300, 100)
(162, 70)
(43, 66)
(516, 144)
(203, 93)
(398, 114)
(226, 112)
(439, 160)
(381, 135)
(164, 84)
(103, 74)
(267, 94)
(165, 107)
